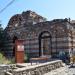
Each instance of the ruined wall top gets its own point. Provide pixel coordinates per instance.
(28, 17)
(32, 16)
(28, 23)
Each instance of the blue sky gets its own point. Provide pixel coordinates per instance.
(50, 9)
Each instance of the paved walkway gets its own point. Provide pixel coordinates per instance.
(63, 71)
(72, 70)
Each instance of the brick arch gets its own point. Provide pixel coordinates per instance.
(42, 36)
(14, 39)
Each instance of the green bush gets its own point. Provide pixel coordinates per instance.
(4, 60)
(12, 61)
(26, 57)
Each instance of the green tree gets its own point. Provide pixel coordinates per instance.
(1, 36)
(1, 31)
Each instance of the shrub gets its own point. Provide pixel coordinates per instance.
(3, 59)
(12, 61)
(26, 57)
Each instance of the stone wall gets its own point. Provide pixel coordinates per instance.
(40, 69)
(21, 26)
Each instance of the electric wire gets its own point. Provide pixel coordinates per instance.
(7, 6)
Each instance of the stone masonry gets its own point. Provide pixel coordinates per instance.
(41, 37)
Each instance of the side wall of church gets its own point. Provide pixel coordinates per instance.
(28, 26)
(61, 41)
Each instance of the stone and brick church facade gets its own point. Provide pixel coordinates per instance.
(41, 37)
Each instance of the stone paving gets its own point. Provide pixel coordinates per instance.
(72, 70)
(67, 70)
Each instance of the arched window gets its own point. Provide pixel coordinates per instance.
(45, 43)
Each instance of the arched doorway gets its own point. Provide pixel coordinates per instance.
(14, 39)
(45, 44)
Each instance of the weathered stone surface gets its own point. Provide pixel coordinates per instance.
(40, 69)
(30, 26)
(4, 68)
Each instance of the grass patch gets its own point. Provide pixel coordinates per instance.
(4, 60)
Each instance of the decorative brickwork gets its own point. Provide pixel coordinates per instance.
(29, 26)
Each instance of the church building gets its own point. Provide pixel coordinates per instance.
(41, 37)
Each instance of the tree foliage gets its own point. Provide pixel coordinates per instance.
(1, 32)
(1, 36)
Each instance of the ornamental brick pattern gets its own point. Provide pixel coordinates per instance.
(35, 30)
